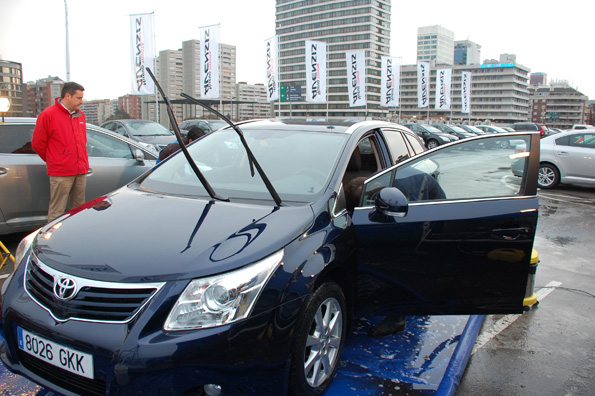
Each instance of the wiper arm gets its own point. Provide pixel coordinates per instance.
(193, 165)
(251, 159)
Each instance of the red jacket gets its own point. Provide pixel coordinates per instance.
(60, 139)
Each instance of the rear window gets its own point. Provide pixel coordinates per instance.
(16, 139)
(525, 127)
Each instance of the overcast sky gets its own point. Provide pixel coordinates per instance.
(547, 36)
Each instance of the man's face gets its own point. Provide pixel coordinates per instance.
(73, 102)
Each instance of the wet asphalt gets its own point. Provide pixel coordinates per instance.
(550, 349)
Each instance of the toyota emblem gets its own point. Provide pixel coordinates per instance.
(64, 288)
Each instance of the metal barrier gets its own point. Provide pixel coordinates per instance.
(4, 255)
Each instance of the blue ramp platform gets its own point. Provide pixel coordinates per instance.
(427, 359)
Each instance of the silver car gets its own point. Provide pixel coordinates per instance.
(24, 184)
(150, 134)
(567, 157)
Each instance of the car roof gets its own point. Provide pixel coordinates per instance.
(18, 120)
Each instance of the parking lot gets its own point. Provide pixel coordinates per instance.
(549, 350)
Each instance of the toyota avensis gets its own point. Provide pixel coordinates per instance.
(249, 263)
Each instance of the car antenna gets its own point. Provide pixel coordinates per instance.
(176, 129)
(251, 158)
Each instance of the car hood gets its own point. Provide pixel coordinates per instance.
(134, 236)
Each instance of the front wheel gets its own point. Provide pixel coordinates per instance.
(321, 335)
(547, 176)
(432, 144)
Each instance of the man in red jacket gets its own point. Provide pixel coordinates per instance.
(60, 139)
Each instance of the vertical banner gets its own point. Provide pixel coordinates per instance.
(209, 62)
(423, 84)
(272, 68)
(466, 92)
(356, 77)
(443, 83)
(315, 71)
(141, 28)
(389, 81)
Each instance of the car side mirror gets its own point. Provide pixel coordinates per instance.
(390, 202)
(139, 155)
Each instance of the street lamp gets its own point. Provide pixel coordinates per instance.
(4, 106)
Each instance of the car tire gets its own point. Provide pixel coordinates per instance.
(504, 144)
(432, 143)
(322, 329)
(548, 176)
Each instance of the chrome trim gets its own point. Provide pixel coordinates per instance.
(83, 282)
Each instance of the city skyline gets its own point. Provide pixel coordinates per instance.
(100, 45)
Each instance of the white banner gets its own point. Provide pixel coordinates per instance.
(141, 28)
(443, 79)
(466, 92)
(389, 81)
(209, 61)
(423, 84)
(356, 77)
(315, 71)
(272, 68)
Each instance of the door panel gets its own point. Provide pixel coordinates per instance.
(464, 244)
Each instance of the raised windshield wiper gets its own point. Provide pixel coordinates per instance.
(252, 160)
(172, 119)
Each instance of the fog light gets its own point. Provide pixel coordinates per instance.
(213, 389)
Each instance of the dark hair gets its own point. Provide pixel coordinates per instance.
(71, 88)
(195, 132)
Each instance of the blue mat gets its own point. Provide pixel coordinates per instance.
(428, 358)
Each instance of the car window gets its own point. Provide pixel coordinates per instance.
(463, 171)
(298, 164)
(582, 140)
(16, 139)
(102, 145)
(414, 143)
(399, 150)
(143, 128)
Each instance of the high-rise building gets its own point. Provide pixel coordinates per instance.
(344, 25)
(42, 94)
(11, 87)
(558, 105)
(130, 104)
(252, 102)
(435, 44)
(537, 79)
(467, 53)
(97, 111)
(499, 94)
(191, 70)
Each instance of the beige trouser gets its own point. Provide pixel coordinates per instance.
(64, 189)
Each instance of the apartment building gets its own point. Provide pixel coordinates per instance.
(344, 25)
(558, 105)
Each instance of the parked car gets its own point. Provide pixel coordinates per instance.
(472, 129)
(529, 126)
(432, 137)
(504, 143)
(212, 278)
(150, 134)
(24, 183)
(206, 125)
(582, 126)
(454, 130)
(568, 157)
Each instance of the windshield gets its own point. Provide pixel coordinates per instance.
(430, 128)
(298, 164)
(139, 128)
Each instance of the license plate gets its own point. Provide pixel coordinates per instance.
(55, 354)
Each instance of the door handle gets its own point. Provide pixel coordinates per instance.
(3, 171)
(511, 234)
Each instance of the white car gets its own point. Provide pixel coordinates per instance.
(568, 157)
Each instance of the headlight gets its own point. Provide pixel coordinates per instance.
(444, 138)
(221, 299)
(23, 248)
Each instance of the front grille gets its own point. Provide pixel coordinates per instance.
(93, 300)
(62, 378)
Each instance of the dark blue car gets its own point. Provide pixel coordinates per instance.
(222, 282)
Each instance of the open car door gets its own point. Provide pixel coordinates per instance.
(450, 231)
